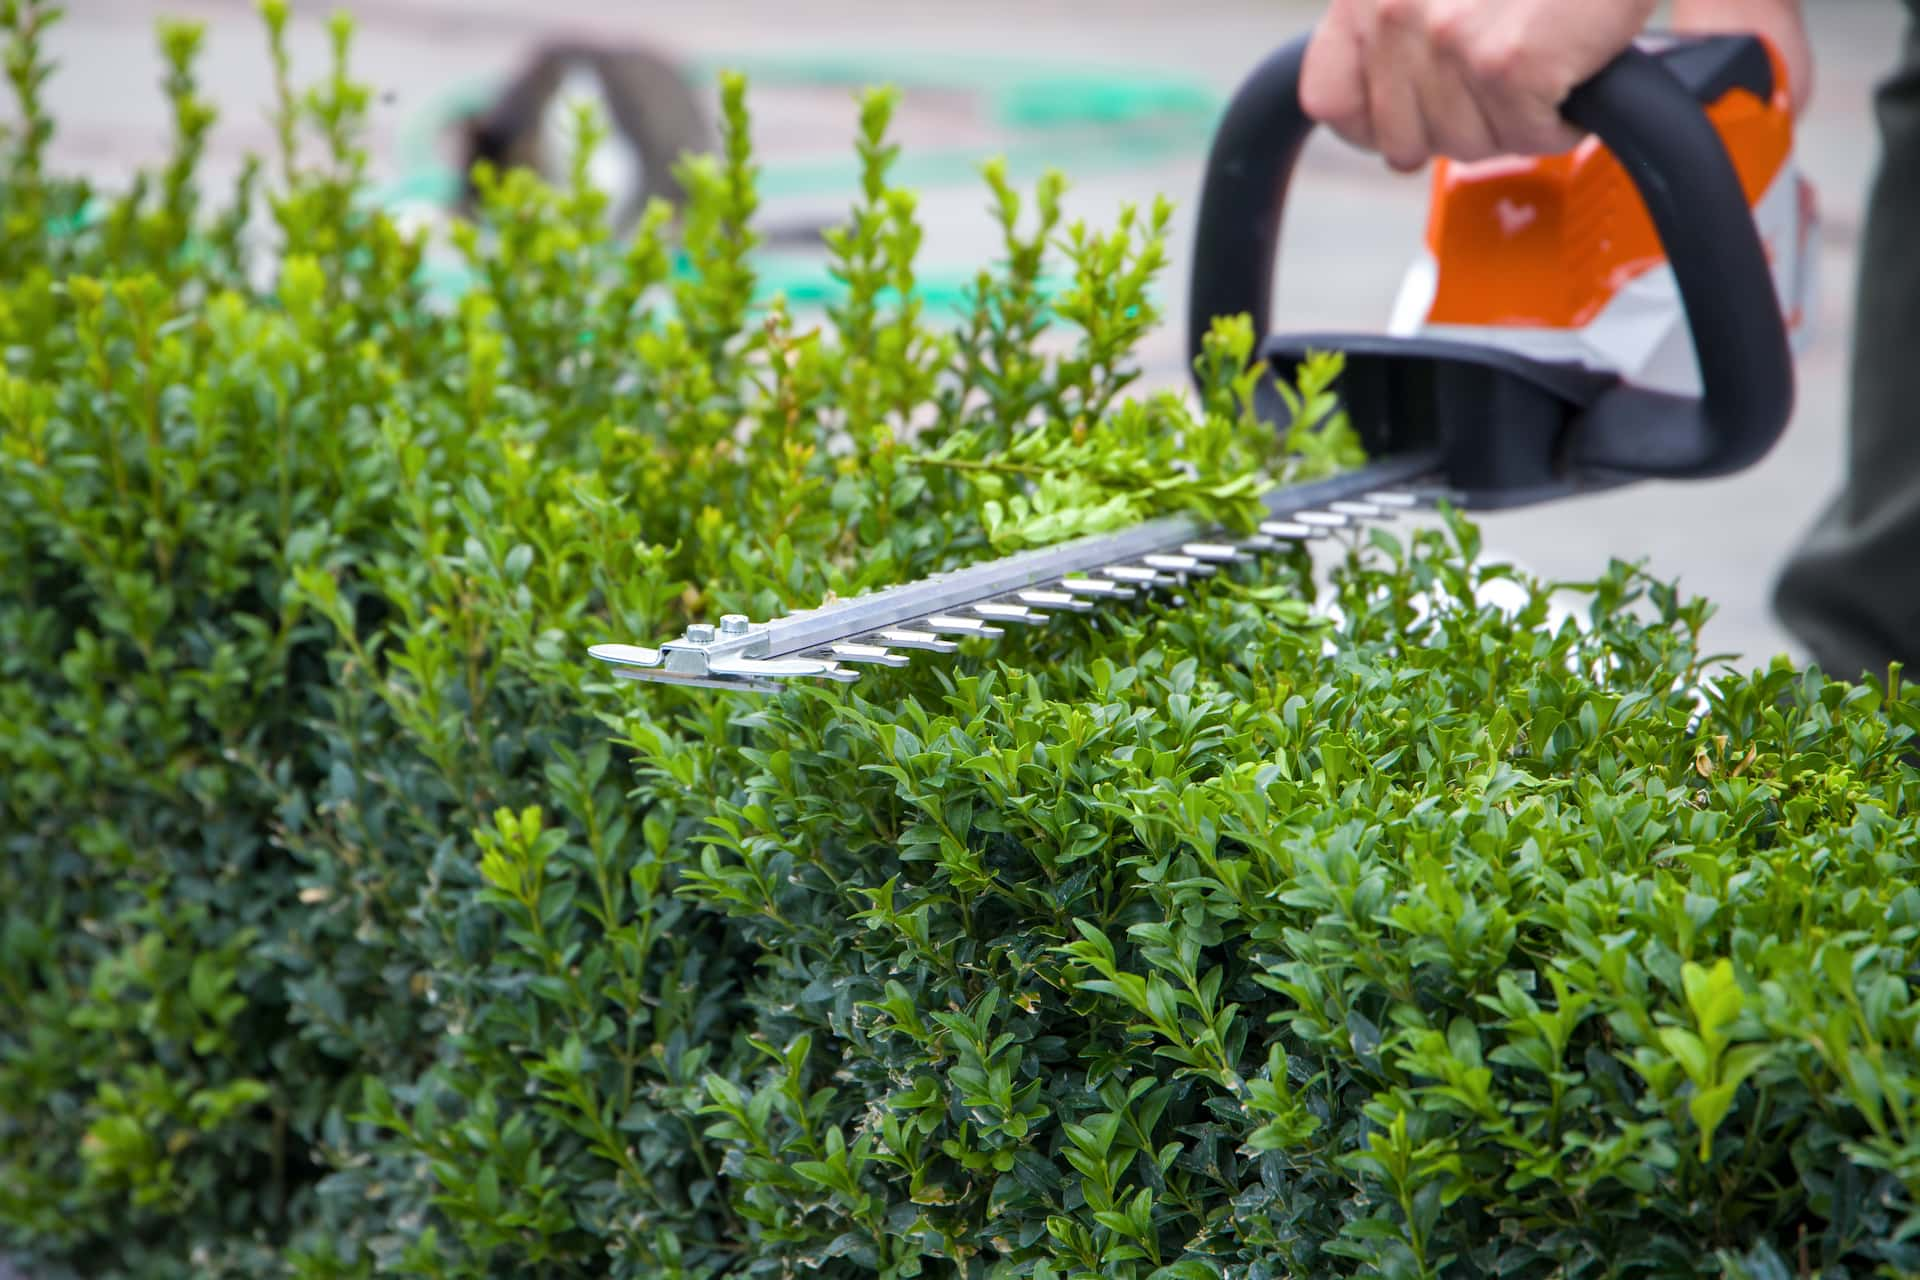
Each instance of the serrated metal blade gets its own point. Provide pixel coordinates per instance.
(1360, 510)
(869, 655)
(1290, 531)
(1172, 562)
(1098, 588)
(1064, 601)
(1215, 552)
(776, 668)
(1017, 613)
(1024, 588)
(945, 624)
(626, 655)
(923, 641)
(1139, 575)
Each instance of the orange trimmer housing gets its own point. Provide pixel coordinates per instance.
(1542, 254)
(1624, 312)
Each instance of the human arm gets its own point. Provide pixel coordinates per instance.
(1471, 79)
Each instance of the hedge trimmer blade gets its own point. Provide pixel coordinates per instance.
(932, 615)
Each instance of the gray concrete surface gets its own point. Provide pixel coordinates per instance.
(1347, 241)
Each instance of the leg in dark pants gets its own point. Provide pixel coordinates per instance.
(1851, 593)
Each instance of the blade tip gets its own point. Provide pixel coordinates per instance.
(627, 655)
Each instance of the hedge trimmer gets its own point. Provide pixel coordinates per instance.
(1576, 322)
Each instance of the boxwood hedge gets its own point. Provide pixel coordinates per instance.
(354, 924)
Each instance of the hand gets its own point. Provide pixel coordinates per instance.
(1472, 79)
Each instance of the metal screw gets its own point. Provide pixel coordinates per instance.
(734, 624)
(700, 633)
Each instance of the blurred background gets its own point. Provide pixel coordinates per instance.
(1119, 95)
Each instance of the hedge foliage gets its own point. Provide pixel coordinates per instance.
(355, 926)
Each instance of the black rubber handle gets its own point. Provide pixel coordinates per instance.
(1649, 120)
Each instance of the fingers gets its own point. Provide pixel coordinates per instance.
(1470, 79)
(1513, 88)
(1401, 101)
(1461, 120)
(1333, 80)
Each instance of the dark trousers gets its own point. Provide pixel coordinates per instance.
(1851, 593)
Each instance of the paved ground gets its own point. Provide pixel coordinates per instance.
(1346, 241)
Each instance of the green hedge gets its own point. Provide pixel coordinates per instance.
(354, 925)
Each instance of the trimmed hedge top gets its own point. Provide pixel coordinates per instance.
(354, 925)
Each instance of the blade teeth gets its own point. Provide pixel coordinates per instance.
(950, 624)
(1360, 510)
(1170, 563)
(872, 655)
(1215, 552)
(1062, 600)
(1293, 530)
(925, 641)
(1035, 606)
(735, 667)
(1139, 575)
(1018, 613)
(1097, 587)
